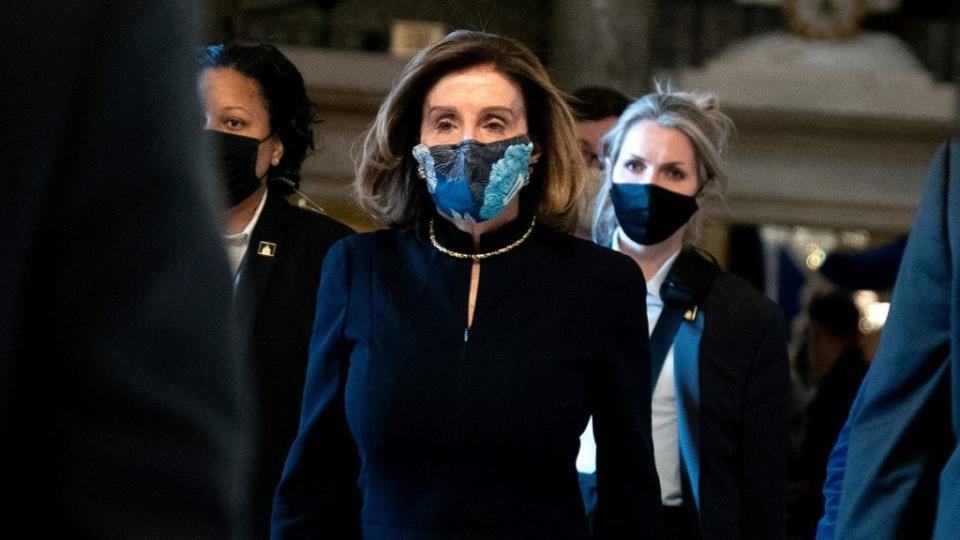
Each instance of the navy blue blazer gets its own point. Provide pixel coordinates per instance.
(902, 477)
(413, 427)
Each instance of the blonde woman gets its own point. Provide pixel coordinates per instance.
(718, 346)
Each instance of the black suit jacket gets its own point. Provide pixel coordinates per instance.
(744, 378)
(120, 399)
(902, 476)
(276, 299)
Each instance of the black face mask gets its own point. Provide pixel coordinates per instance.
(237, 159)
(648, 213)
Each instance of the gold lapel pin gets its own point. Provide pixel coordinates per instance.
(691, 314)
(267, 249)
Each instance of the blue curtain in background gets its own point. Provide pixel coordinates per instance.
(790, 281)
(874, 269)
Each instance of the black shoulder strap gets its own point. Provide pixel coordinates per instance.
(682, 291)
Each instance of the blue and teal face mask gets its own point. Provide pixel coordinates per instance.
(472, 181)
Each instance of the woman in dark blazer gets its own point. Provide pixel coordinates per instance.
(261, 121)
(457, 355)
(719, 357)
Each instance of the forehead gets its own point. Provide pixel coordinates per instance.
(592, 130)
(655, 141)
(477, 86)
(226, 87)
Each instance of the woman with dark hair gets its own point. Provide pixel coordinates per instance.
(718, 346)
(445, 403)
(261, 120)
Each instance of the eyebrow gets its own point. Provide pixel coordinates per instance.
(235, 107)
(667, 164)
(443, 110)
(489, 110)
(486, 110)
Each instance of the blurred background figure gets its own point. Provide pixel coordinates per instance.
(835, 366)
(261, 120)
(596, 109)
(121, 398)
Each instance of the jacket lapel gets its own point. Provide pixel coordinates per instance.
(266, 243)
(686, 368)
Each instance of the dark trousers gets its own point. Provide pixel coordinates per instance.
(680, 525)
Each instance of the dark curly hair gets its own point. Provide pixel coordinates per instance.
(292, 114)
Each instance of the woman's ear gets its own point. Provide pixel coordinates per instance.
(535, 156)
(277, 152)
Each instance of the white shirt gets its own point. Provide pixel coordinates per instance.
(237, 244)
(666, 435)
(663, 406)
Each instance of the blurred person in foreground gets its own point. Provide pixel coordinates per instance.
(121, 412)
(895, 469)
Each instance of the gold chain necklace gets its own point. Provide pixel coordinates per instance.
(479, 256)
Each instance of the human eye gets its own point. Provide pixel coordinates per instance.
(444, 125)
(495, 125)
(676, 173)
(633, 165)
(234, 123)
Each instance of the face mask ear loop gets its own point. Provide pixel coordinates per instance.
(702, 187)
(305, 201)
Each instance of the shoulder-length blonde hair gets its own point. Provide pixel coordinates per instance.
(698, 117)
(387, 185)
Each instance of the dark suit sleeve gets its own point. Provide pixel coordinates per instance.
(833, 483)
(317, 496)
(763, 453)
(628, 489)
(899, 434)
